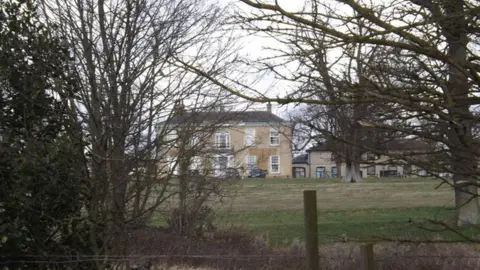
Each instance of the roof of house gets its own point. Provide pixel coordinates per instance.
(300, 159)
(405, 145)
(321, 148)
(392, 145)
(226, 116)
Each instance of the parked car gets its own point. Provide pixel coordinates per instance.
(257, 173)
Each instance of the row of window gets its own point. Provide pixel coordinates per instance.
(321, 172)
(391, 170)
(274, 163)
(274, 136)
(223, 139)
(223, 162)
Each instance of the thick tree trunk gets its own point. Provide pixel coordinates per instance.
(183, 185)
(352, 172)
(353, 156)
(464, 166)
(119, 191)
(466, 201)
(459, 133)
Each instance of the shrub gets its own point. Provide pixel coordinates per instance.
(191, 222)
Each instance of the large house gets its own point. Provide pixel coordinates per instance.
(320, 161)
(243, 140)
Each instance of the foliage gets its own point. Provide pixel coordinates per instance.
(42, 180)
(192, 222)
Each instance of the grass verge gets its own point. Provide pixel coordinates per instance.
(280, 228)
(379, 208)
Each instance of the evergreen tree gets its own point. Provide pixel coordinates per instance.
(41, 177)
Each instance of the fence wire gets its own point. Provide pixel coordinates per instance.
(260, 261)
(203, 256)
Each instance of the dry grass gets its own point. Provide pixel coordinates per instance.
(287, 195)
(239, 250)
(180, 267)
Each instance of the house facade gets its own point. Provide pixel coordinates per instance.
(320, 162)
(221, 140)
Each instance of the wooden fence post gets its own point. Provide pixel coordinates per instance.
(366, 254)
(311, 228)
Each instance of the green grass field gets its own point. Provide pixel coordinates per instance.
(378, 209)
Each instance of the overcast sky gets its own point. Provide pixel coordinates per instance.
(256, 46)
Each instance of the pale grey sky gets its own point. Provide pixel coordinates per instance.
(256, 46)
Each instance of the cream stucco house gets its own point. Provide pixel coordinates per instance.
(243, 140)
(320, 162)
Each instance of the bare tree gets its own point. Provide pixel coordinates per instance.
(339, 124)
(429, 76)
(122, 53)
(192, 154)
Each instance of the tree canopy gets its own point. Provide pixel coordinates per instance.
(42, 187)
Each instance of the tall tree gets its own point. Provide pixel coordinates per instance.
(429, 73)
(43, 183)
(123, 53)
(338, 125)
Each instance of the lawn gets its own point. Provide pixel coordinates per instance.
(286, 194)
(377, 209)
(281, 227)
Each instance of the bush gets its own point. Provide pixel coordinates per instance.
(191, 222)
(239, 249)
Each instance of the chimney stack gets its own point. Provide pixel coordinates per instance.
(179, 108)
(269, 107)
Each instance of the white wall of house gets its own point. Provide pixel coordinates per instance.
(320, 161)
(323, 161)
